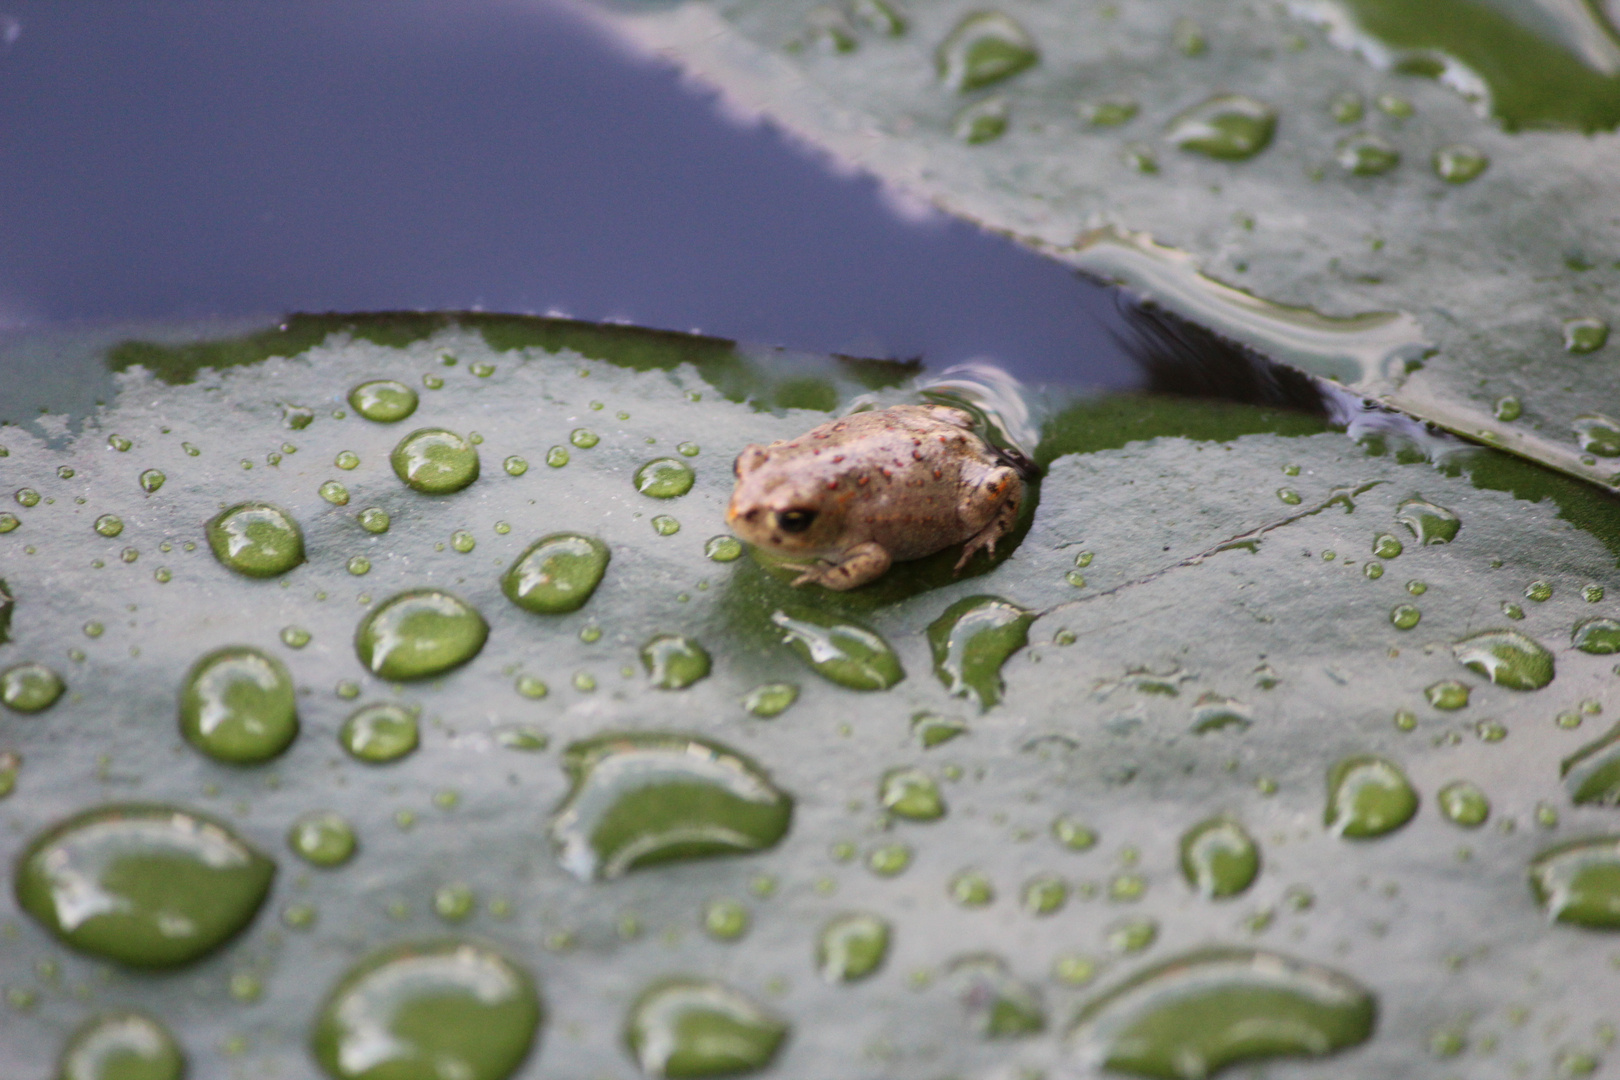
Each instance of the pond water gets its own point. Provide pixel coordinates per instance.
(179, 160)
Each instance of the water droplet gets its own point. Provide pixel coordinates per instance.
(556, 457)
(1597, 434)
(1373, 570)
(1447, 694)
(1109, 111)
(1075, 578)
(1585, 335)
(1230, 127)
(664, 478)
(359, 565)
(984, 48)
(932, 729)
(27, 497)
(463, 541)
(1074, 969)
(1366, 154)
(643, 798)
(30, 687)
(1073, 834)
(162, 575)
(557, 573)
(664, 525)
(995, 1004)
(1463, 803)
(1579, 883)
(1508, 658)
(1202, 1011)
(322, 838)
(888, 860)
(237, 705)
(771, 699)
(384, 401)
(1132, 935)
(335, 493)
(256, 539)
(971, 889)
(191, 451)
(1368, 797)
(418, 634)
(912, 794)
(122, 1046)
(725, 920)
(1431, 524)
(445, 1010)
(1386, 546)
(144, 885)
(347, 460)
(531, 687)
(1045, 894)
(1405, 720)
(1404, 616)
(379, 732)
(119, 443)
(879, 16)
(1212, 712)
(673, 662)
(1188, 38)
(971, 641)
(1491, 731)
(852, 946)
(1539, 591)
(435, 461)
(65, 472)
(844, 652)
(433, 382)
(982, 121)
(584, 438)
(696, 1028)
(9, 522)
(1599, 637)
(1140, 158)
(109, 525)
(1219, 858)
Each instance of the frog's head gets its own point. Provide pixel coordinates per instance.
(782, 509)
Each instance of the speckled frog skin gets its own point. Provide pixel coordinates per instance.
(851, 497)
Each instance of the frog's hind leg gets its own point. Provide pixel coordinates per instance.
(860, 564)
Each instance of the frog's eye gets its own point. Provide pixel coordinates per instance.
(795, 521)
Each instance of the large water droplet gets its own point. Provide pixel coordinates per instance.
(1191, 1016)
(996, 1004)
(380, 732)
(1219, 858)
(696, 1027)
(912, 794)
(665, 478)
(1368, 797)
(1600, 637)
(122, 1046)
(1592, 774)
(30, 687)
(148, 886)
(418, 634)
(445, 1010)
(256, 539)
(984, 48)
(435, 461)
(650, 797)
(1508, 658)
(1431, 524)
(383, 400)
(674, 662)
(238, 705)
(852, 946)
(1579, 883)
(557, 574)
(972, 640)
(844, 652)
(1228, 126)
(1597, 434)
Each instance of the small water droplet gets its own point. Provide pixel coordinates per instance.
(419, 633)
(463, 541)
(1597, 434)
(852, 946)
(481, 368)
(30, 687)
(435, 461)
(1508, 658)
(1373, 570)
(1219, 858)
(1598, 637)
(982, 121)
(109, 525)
(1074, 834)
(1463, 803)
(1405, 720)
(322, 838)
(888, 860)
(191, 451)
(1188, 37)
(664, 525)
(697, 1028)
(971, 889)
(984, 48)
(433, 382)
(532, 688)
(1579, 883)
(557, 573)
(1346, 108)
(771, 699)
(1512, 610)
(912, 794)
(1457, 164)
(1585, 335)
(516, 466)
(379, 733)
(1366, 154)
(725, 920)
(256, 539)
(1139, 158)
(454, 901)
(1404, 616)
(1230, 127)
(9, 522)
(1386, 546)
(932, 729)
(1044, 894)
(995, 1004)
(1289, 496)
(673, 662)
(1368, 797)
(556, 457)
(664, 478)
(584, 438)
(1491, 731)
(844, 652)
(1447, 694)
(27, 497)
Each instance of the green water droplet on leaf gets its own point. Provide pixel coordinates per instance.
(1368, 797)
(1230, 127)
(1585, 335)
(335, 493)
(1508, 658)
(463, 541)
(664, 478)
(1289, 496)
(322, 838)
(358, 565)
(984, 48)
(1599, 637)
(384, 401)
(418, 634)
(294, 637)
(444, 1010)
(1447, 694)
(1200, 1012)
(852, 946)
(673, 662)
(435, 461)
(374, 519)
(696, 1028)
(664, 525)
(27, 497)
(911, 794)
(982, 122)
(888, 860)
(556, 457)
(531, 687)
(516, 466)
(725, 920)
(1074, 834)
(843, 652)
(723, 549)
(1429, 523)
(122, 1046)
(1219, 858)
(971, 889)
(109, 525)
(1579, 883)
(9, 522)
(347, 460)
(1386, 546)
(30, 687)
(932, 729)
(143, 885)
(1463, 803)
(1373, 570)
(237, 705)
(995, 1004)
(256, 539)
(1597, 434)
(643, 798)
(1044, 894)
(1508, 409)
(1404, 616)
(1366, 154)
(557, 573)
(584, 438)
(971, 641)
(379, 732)
(771, 699)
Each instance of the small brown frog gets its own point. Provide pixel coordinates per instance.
(856, 495)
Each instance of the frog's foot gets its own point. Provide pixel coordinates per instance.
(860, 564)
(1002, 524)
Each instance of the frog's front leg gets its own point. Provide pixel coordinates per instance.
(990, 507)
(862, 563)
